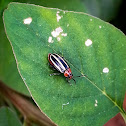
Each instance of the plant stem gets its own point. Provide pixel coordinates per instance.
(124, 116)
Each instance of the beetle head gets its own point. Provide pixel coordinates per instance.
(68, 74)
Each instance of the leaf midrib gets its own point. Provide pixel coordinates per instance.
(103, 92)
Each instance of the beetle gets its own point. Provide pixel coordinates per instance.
(58, 63)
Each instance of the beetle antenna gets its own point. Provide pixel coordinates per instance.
(74, 80)
(80, 76)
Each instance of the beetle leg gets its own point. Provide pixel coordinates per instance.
(55, 74)
(52, 66)
(68, 81)
(49, 64)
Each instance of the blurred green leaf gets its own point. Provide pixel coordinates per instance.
(3, 5)
(71, 5)
(104, 9)
(91, 47)
(8, 117)
(8, 68)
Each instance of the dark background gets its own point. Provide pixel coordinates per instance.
(120, 20)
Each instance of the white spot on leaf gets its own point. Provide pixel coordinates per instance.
(65, 104)
(58, 16)
(67, 25)
(58, 38)
(56, 32)
(105, 70)
(64, 34)
(96, 103)
(90, 19)
(27, 20)
(50, 39)
(88, 42)
(100, 26)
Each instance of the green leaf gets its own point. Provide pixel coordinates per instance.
(89, 45)
(8, 68)
(8, 117)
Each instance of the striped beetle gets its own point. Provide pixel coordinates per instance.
(58, 63)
